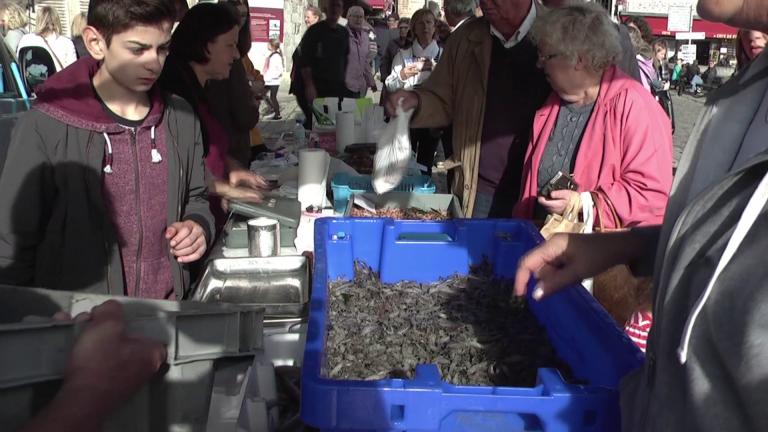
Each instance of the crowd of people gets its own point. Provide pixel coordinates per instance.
(118, 179)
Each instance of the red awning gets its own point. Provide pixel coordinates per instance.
(712, 30)
(377, 4)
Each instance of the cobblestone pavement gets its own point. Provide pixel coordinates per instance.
(687, 110)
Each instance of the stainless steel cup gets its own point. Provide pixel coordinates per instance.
(263, 237)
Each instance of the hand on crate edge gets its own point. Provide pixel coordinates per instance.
(108, 365)
(106, 368)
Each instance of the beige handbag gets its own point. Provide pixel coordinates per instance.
(616, 289)
(568, 222)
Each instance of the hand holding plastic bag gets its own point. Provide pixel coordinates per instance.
(393, 151)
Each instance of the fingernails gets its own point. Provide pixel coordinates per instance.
(538, 293)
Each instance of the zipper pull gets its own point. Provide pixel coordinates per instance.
(651, 369)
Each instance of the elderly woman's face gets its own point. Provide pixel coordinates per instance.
(356, 19)
(567, 79)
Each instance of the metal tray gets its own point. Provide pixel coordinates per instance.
(279, 284)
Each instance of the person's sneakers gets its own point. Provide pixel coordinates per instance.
(277, 117)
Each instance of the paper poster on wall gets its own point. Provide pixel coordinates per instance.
(688, 53)
(274, 29)
(266, 23)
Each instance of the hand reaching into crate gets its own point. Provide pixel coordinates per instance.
(105, 369)
(567, 259)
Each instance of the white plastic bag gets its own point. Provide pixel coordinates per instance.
(393, 152)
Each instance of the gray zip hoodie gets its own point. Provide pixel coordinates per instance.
(706, 367)
(87, 201)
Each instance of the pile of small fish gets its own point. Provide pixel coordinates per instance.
(410, 213)
(471, 327)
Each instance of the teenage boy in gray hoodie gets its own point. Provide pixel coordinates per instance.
(104, 187)
(706, 368)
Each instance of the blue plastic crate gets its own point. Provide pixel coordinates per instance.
(583, 334)
(344, 185)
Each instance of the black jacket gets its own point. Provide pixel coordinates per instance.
(628, 62)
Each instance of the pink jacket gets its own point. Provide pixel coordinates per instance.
(626, 152)
(359, 75)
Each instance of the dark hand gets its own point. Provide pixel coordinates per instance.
(107, 366)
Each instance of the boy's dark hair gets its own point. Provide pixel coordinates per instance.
(111, 17)
(201, 25)
(244, 42)
(182, 7)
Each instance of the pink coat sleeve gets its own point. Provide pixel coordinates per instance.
(641, 193)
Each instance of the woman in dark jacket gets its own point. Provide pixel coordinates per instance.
(201, 51)
(231, 99)
(394, 47)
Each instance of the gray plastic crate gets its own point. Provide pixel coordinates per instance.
(34, 354)
(407, 200)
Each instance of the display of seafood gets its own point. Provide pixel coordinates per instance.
(470, 326)
(410, 213)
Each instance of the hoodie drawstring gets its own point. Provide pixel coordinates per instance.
(156, 157)
(108, 168)
(748, 216)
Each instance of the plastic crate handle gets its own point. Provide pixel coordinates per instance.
(182, 332)
(424, 231)
(424, 237)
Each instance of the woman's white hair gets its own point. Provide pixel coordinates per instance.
(579, 30)
(356, 9)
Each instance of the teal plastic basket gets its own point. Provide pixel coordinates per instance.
(344, 185)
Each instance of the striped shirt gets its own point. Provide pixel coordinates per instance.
(637, 328)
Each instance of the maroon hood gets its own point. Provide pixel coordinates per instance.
(69, 97)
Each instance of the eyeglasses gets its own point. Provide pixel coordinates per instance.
(545, 58)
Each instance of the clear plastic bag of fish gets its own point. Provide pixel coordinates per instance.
(393, 152)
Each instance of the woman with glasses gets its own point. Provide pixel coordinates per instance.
(598, 126)
(394, 46)
(411, 68)
(359, 76)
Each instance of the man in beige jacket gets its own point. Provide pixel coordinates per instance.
(488, 85)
